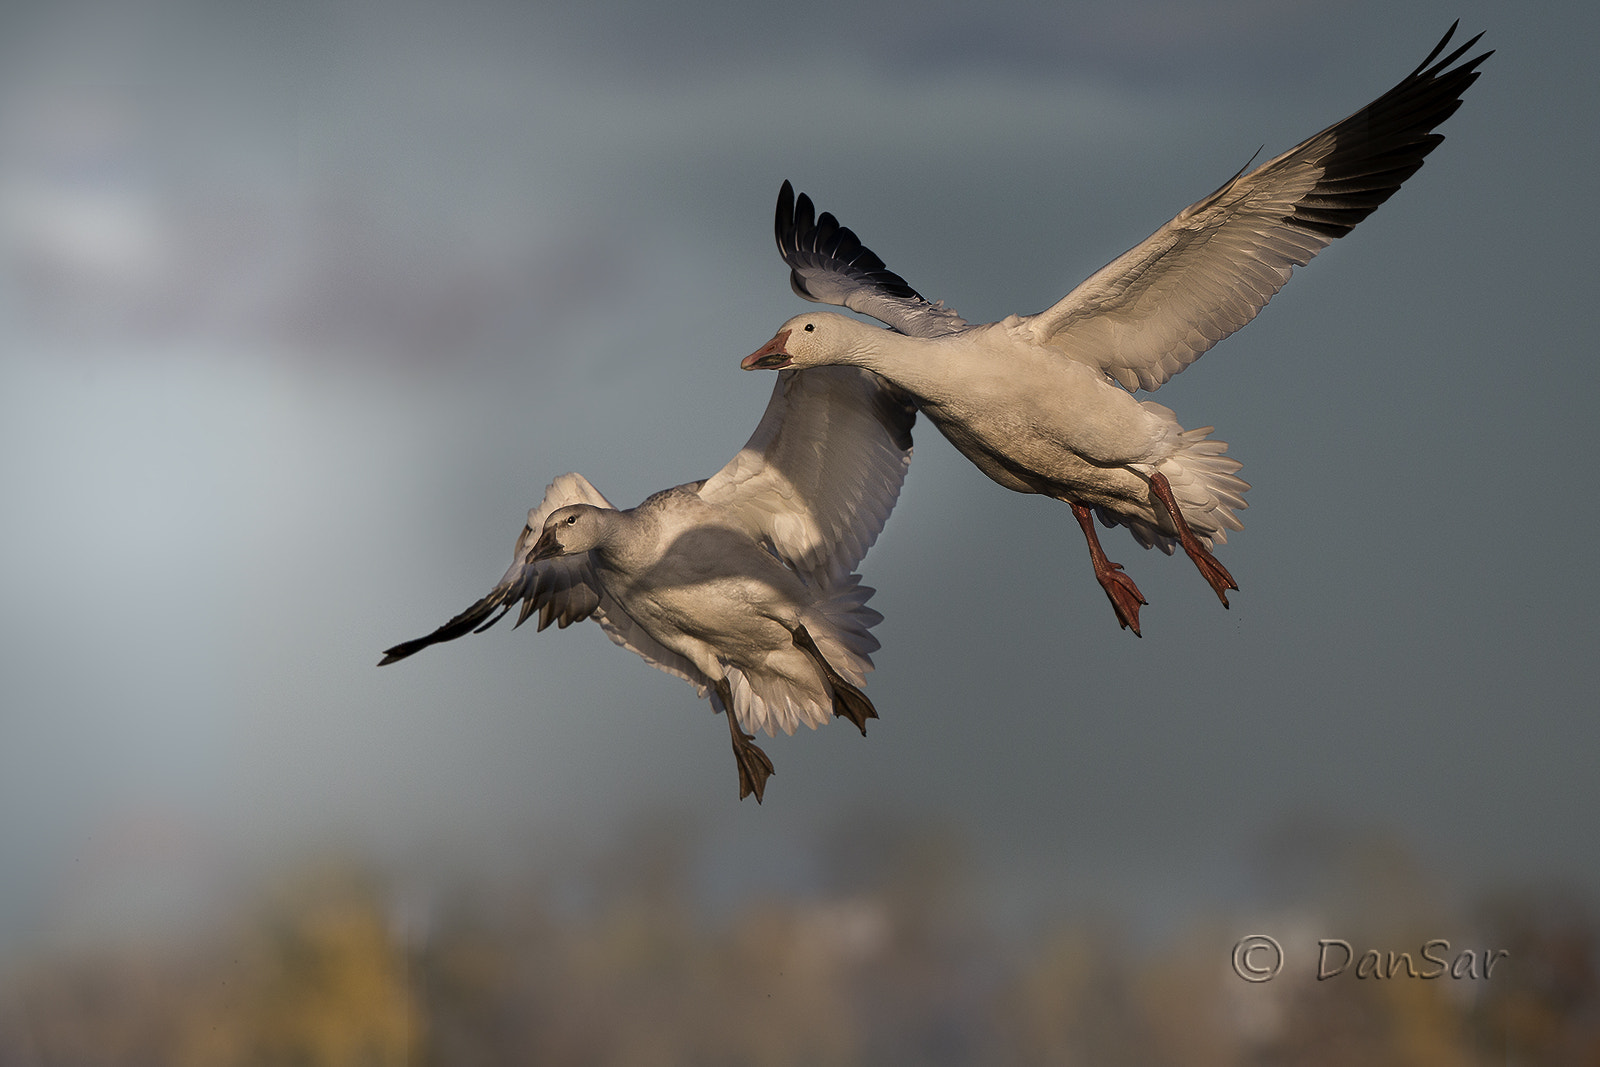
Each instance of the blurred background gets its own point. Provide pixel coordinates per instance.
(302, 306)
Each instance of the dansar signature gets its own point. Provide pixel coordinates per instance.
(1259, 958)
(1468, 963)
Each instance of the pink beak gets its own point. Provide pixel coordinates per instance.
(769, 356)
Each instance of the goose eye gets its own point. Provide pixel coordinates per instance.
(809, 327)
(572, 520)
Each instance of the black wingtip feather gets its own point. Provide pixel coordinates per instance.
(1451, 32)
(806, 239)
(469, 621)
(1376, 149)
(783, 218)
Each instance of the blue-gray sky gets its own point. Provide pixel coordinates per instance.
(302, 306)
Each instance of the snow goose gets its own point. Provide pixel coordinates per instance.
(740, 584)
(1044, 404)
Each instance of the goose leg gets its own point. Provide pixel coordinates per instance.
(754, 766)
(1212, 571)
(848, 701)
(1124, 595)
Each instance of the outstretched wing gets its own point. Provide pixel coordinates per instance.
(818, 478)
(828, 264)
(1158, 307)
(628, 634)
(561, 590)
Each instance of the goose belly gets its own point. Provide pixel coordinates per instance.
(1065, 426)
(993, 393)
(711, 617)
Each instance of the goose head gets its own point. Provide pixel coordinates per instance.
(813, 340)
(570, 530)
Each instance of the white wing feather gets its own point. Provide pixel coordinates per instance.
(818, 478)
(1158, 307)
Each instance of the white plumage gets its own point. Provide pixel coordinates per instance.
(1043, 403)
(740, 584)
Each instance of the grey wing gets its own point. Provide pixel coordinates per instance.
(828, 264)
(624, 631)
(562, 590)
(1157, 308)
(818, 478)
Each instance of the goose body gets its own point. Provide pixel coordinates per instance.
(1045, 403)
(742, 583)
(1029, 419)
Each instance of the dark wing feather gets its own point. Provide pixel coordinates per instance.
(563, 590)
(1158, 307)
(828, 264)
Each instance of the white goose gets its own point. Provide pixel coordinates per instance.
(1043, 403)
(740, 584)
